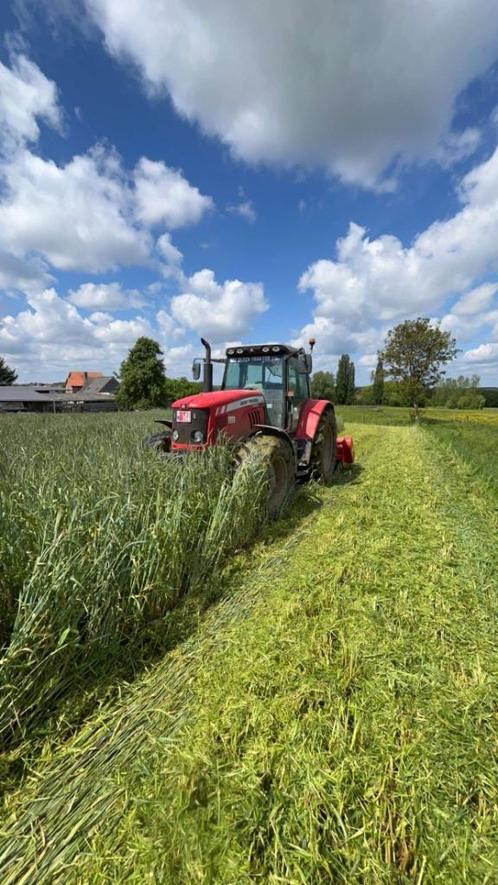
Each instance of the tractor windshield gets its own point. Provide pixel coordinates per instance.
(259, 373)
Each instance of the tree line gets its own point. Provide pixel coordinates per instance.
(143, 383)
(410, 371)
(339, 388)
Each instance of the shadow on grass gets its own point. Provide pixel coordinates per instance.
(107, 679)
(346, 475)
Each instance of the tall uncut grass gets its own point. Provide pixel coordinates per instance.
(98, 539)
(474, 442)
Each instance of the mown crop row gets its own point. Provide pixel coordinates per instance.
(333, 719)
(100, 540)
(471, 435)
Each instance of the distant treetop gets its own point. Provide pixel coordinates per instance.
(7, 375)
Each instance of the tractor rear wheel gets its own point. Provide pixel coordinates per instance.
(323, 453)
(160, 442)
(280, 468)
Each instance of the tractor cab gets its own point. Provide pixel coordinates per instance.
(281, 373)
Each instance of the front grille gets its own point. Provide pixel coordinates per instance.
(185, 431)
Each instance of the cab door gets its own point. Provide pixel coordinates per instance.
(297, 391)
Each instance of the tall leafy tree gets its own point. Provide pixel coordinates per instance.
(142, 378)
(343, 379)
(378, 383)
(414, 354)
(177, 388)
(351, 383)
(7, 375)
(323, 386)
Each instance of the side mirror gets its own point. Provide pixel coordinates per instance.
(305, 364)
(196, 369)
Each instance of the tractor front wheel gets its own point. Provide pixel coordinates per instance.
(160, 442)
(323, 453)
(279, 461)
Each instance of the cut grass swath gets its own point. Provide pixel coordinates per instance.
(334, 721)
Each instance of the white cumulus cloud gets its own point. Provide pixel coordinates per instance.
(477, 300)
(21, 273)
(171, 258)
(373, 283)
(83, 215)
(48, 321)
(50, 336)
(351, 86)
(121, 332)
(482, 355)
(164, 196)
(218, 311)
(76, 216)
(90, 213)
(245, 209)
(26, 96)
(168, 327)
(105, 296)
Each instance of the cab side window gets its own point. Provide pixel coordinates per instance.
(298, 390)
(298, 382)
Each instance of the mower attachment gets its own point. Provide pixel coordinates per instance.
(345, 450)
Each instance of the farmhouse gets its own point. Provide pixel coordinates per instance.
(90, 381)
(81, 392)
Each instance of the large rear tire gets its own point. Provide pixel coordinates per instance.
(323, 453)
(279, 460)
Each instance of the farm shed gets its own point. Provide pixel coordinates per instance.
(19, 398)
(86, 401)
(104, 384)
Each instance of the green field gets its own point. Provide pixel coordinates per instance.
(190, 696)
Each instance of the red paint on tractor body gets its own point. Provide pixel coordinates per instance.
(236, 413)
(309, 418)
(233, 413)
(211, 400)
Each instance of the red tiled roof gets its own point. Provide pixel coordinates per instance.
(77, 379)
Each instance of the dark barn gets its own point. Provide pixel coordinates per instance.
(19, 398)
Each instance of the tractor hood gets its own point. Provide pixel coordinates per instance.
(219, 398)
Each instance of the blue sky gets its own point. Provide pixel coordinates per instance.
(245, 172)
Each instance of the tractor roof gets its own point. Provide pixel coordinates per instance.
(262, 350)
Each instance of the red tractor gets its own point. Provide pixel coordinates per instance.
(263, 404)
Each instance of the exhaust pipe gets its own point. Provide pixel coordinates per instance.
(207, 384)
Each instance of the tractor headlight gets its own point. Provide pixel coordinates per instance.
(198, 436)
(174, 435)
